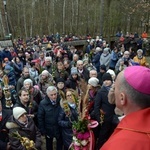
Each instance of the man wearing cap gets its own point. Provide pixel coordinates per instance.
(132, 96)
(104, 111)
(19, 122)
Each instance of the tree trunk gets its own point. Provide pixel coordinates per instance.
(64, 7)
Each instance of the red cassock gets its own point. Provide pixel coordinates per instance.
(132, 133)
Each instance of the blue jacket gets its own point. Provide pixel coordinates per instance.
(114, 59)
(66, 125)
(6, 54)
(96, 59)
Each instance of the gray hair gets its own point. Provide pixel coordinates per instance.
(140, 99)
(48, 59)
(79, 61)
(140, 50)
(28, 81)
(51, 88)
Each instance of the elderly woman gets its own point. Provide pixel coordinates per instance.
(67, 116)
(45, 80)
(34, 93)
(105, 58)
(139, 58)
(93, 86)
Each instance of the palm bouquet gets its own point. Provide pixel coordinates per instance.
(26, 142)
(83, 137)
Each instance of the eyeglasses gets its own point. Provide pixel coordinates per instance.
(69, 95)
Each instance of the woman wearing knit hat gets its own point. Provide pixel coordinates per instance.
(60, 84)
(93, 86)
(21, 125)
(104, 111)
(73, 80)
(45, 80)
(105, 58)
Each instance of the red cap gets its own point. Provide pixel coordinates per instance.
(138, 77)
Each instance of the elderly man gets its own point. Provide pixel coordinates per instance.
(93, 73)
(48, 64)
(132, 96)
(83, 72)
(123, 62)
(48, 113)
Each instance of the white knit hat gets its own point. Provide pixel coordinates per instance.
(93, 81)
(18, 111)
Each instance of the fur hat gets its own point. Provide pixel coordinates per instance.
(18, 111)
(93, 81)
(74, 70)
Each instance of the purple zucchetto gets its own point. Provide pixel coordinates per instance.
(138, 77)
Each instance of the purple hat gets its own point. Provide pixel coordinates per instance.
(138, 77)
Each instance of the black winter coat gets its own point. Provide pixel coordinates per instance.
(72, 83)
(101, 102)
(48, 117)
(30, 132)
(3, 130)
(66, 125)
(85, 74)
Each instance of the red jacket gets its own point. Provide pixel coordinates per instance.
(132, 133)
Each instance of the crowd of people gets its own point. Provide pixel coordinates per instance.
(38, 83)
